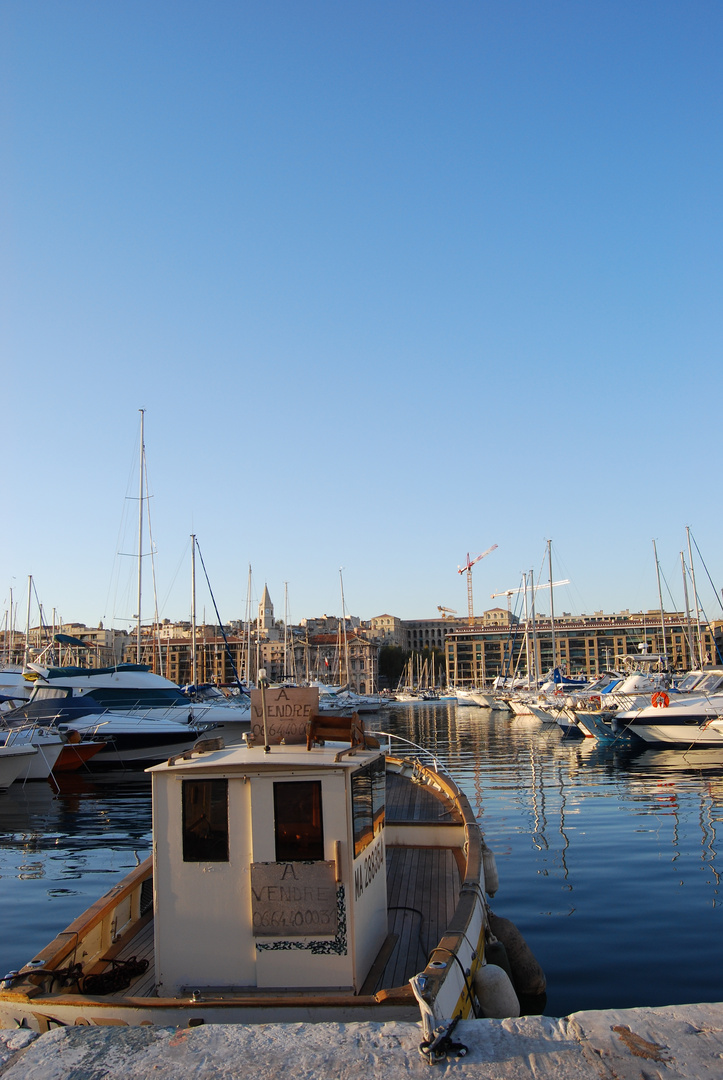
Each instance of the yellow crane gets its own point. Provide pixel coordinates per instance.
(447, 612)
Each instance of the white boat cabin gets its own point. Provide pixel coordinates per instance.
(269, 868)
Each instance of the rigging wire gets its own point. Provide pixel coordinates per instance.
(114, 579)
(220, 624)
(717, 595)
(176, 572)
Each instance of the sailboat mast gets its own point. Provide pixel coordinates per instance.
(26, 656)
(527, 632)
(194, 664)
(688, 627)
(534, 627)
(248, 630)
(343, 620)
(140, 539)
(552, 606)
(695, 599)
(660, 601)
(286, 630)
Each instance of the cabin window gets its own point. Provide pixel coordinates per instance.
(367, 803)
(298, 826)
(205, 820)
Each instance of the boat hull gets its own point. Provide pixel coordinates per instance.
(13, 760)
(130, 742)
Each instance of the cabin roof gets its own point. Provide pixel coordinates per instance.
(242, 759)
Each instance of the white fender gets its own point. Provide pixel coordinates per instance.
(495, 993)
(489, 866)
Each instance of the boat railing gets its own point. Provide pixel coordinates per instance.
(421, 751)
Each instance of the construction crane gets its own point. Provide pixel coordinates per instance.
(467, 568)
(515, 592)
(447, 612)
(508, 593)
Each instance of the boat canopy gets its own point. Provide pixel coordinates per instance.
(71, 672)
(66, 639)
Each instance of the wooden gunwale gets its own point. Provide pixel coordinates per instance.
(67, 942)
(471, 894)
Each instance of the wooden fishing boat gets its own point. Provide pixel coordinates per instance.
(329, 881)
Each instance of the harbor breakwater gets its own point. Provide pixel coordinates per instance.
(683, 1042)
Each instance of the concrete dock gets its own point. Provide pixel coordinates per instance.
(680, 1042)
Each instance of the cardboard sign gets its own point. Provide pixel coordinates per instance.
(293, 899)
(288, 708)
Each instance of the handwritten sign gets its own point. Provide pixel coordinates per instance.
(293, 899)
(287, 710)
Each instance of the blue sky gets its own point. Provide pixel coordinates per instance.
(393, 281)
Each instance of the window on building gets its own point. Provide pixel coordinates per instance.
(298, 825)
(205, 820)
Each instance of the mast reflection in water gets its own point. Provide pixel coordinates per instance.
(607, 855)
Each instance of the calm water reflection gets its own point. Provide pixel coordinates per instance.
(607, 856)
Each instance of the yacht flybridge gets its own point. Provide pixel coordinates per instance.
(321, 880)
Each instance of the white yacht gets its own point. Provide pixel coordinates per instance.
(140, 716)
(683, 720)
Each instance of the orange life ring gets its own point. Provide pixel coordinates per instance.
(660, 699)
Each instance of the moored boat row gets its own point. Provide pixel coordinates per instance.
(645, 706)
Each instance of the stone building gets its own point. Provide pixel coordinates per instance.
(387, 630)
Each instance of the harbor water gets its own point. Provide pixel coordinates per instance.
(607, 855)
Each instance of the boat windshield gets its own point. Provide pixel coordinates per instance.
(690, 681)
(48, 693)
(709, 684)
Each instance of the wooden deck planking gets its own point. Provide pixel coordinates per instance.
(407, 801)
(142, 948)
(419, 915)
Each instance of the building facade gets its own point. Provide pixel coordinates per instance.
(387, 630)
(420, 634)
(583, 645)
(69, 644)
